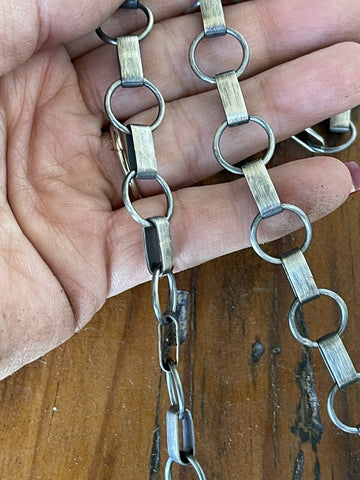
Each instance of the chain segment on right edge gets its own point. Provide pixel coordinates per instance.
(135, 147)
(263, 190)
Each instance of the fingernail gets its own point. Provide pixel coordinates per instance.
(354, 170)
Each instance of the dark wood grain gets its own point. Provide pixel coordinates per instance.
(94, 408)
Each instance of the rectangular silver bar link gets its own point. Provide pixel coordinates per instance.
(157, 245)
(232, 98)
(262, 188)
(337, 360)
(340, 123)
(299, 275)
(141, 152)
(129, 56)
(212, 14)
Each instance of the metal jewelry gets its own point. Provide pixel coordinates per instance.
(135, 147)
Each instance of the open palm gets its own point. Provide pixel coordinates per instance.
(66, 242)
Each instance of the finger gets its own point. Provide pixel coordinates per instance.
(290, 97)
(215, 220)
(276, 32)
(127, 21)
(25, 27)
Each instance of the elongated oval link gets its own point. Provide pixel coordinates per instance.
(175, 389)
(168, 342)
(171, 303)
(176, 450)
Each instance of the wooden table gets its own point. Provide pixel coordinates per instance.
(95, 407)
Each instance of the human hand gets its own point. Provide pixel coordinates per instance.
(66, 241)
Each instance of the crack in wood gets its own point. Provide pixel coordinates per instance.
(308, 427)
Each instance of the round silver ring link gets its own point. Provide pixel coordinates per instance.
(129, 206)
(208, 78)
(339, 148)
(253, 233)
(334, 418)
(150, 23)
(296, 304)
(171, 305)
(120, 125)
(237, 170)
(192, 461)
(175, 389)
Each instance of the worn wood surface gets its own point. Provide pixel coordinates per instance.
(94, 408)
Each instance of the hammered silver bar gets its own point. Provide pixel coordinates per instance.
(141, 152)
(129, 56)
(212, 14)
(299, 275)
(340, 123)
(337, 360)
(232, 98)
(157, 245)
(262, 188)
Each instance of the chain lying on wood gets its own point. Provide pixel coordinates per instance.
(135, 146)
(263, 190)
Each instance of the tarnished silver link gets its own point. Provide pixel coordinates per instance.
(141, 152)
(337, 360)
(340, 123)
(130, 64)
(172, 296)
(343, 320)
(262, 188)
(178, 450)
(208, 78)
(131, 5)
(237, 170)
(212, 15)
(175, 389)
(129, 206)
(157, 245)
(112, 116)
(169, 342)
(306, 140)
(232, 98)
(299, 275)
(334, 418)
(253, 233)
(192, 461)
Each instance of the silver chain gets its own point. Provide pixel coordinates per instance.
(264, 193)
(135, 146)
